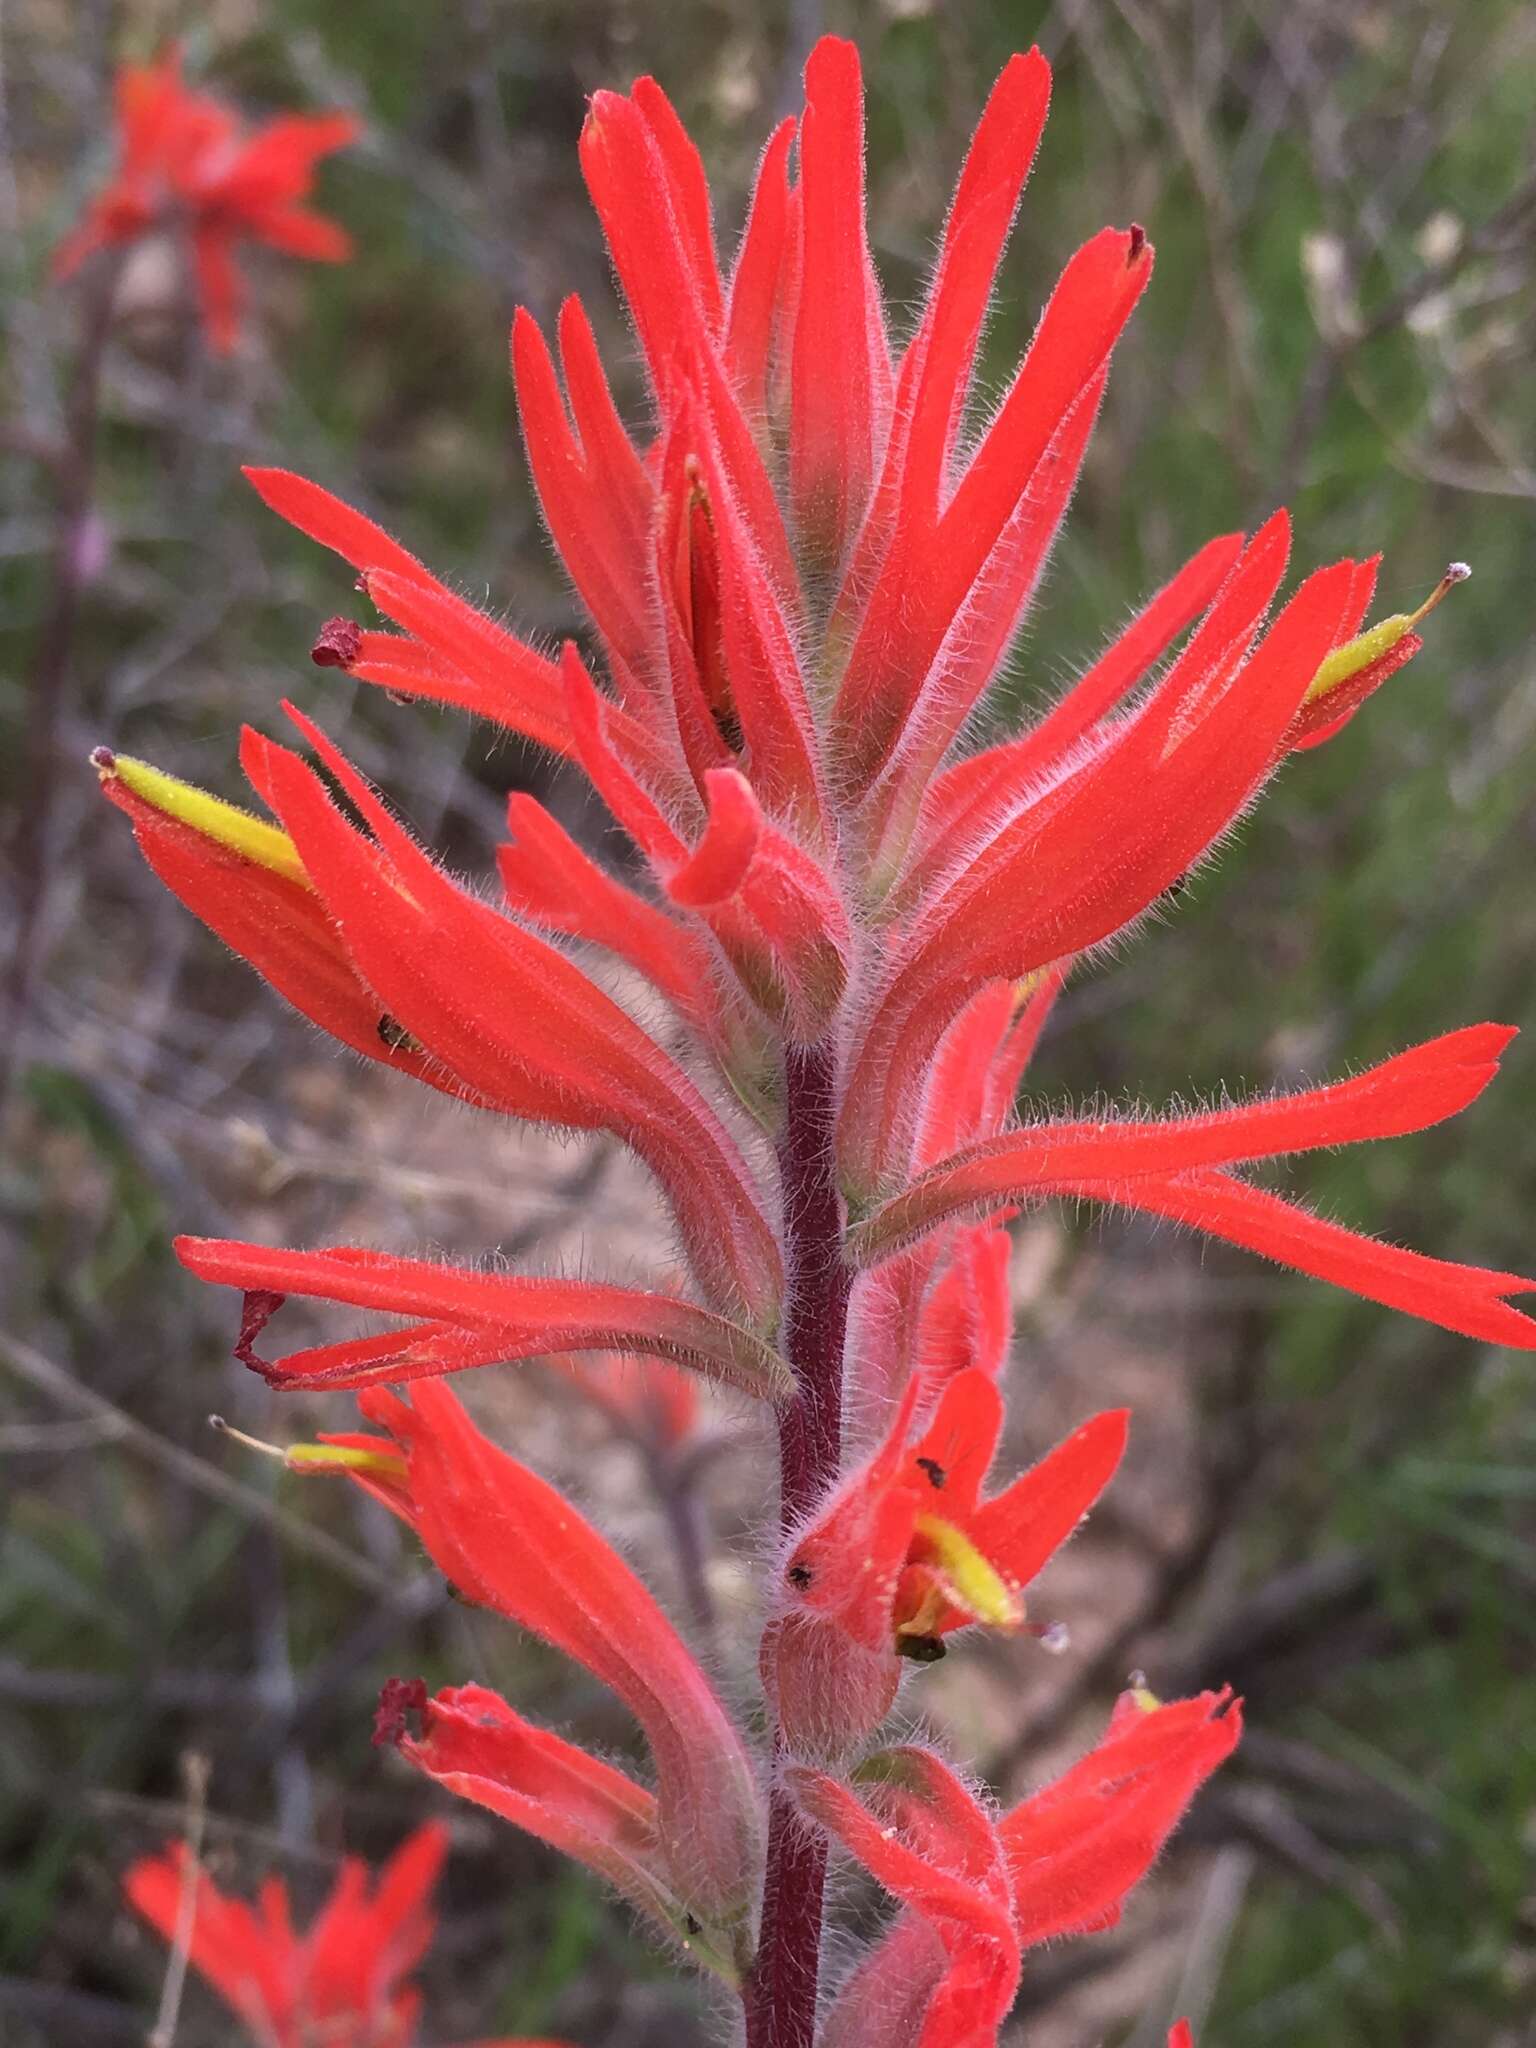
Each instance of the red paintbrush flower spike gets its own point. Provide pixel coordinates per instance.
(756, 327)
(342, 1980)
(840, 381)
(803, 577)
(906, 1551)
(507, 1540)
(500, 1315)
(1411, 1092)
(1077, 1847)
(183, 164)
(1467, 1299)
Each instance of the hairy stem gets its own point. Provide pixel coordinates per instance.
(781, 1995)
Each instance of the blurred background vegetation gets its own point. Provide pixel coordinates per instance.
(1332, 1507)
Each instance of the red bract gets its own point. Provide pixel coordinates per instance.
(1076, 1848)
(341, 1981)
(467, 1319)
(907, 1551)
(1166, 1168)
(917, 1828)
(845, 935)
(507, 1540)
(990, 1886)
(184, 164)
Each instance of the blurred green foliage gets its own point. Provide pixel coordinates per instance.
(1343, 209)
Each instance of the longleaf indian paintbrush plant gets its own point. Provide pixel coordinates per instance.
(802, 580)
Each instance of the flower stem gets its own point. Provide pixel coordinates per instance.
(781, 1993)
(75, 469)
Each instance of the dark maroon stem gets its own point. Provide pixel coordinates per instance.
(781, 1994)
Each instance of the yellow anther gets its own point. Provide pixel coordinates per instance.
(1142, 1694)
(971, 1581)
(249, 836)
(384, 1463)
(1380, 639)
(345, 1458)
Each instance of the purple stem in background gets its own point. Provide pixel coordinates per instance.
(75, 557)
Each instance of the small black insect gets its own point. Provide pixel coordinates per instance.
(395, 1036)
(921, 1649)
(800, 1575)
(936, 1473)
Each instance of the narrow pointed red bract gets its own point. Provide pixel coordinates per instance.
(1079, 1845)
(840, 373)
(553, 882)
(593, 492)
(1415, 1090)
(961, 796)
(498, 1315)
(474, 1745)
(1468, 1299)
(935, 558)
(991, 180)
(756, 322)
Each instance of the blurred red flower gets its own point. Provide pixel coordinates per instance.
(341, 1980)
(185, 162)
